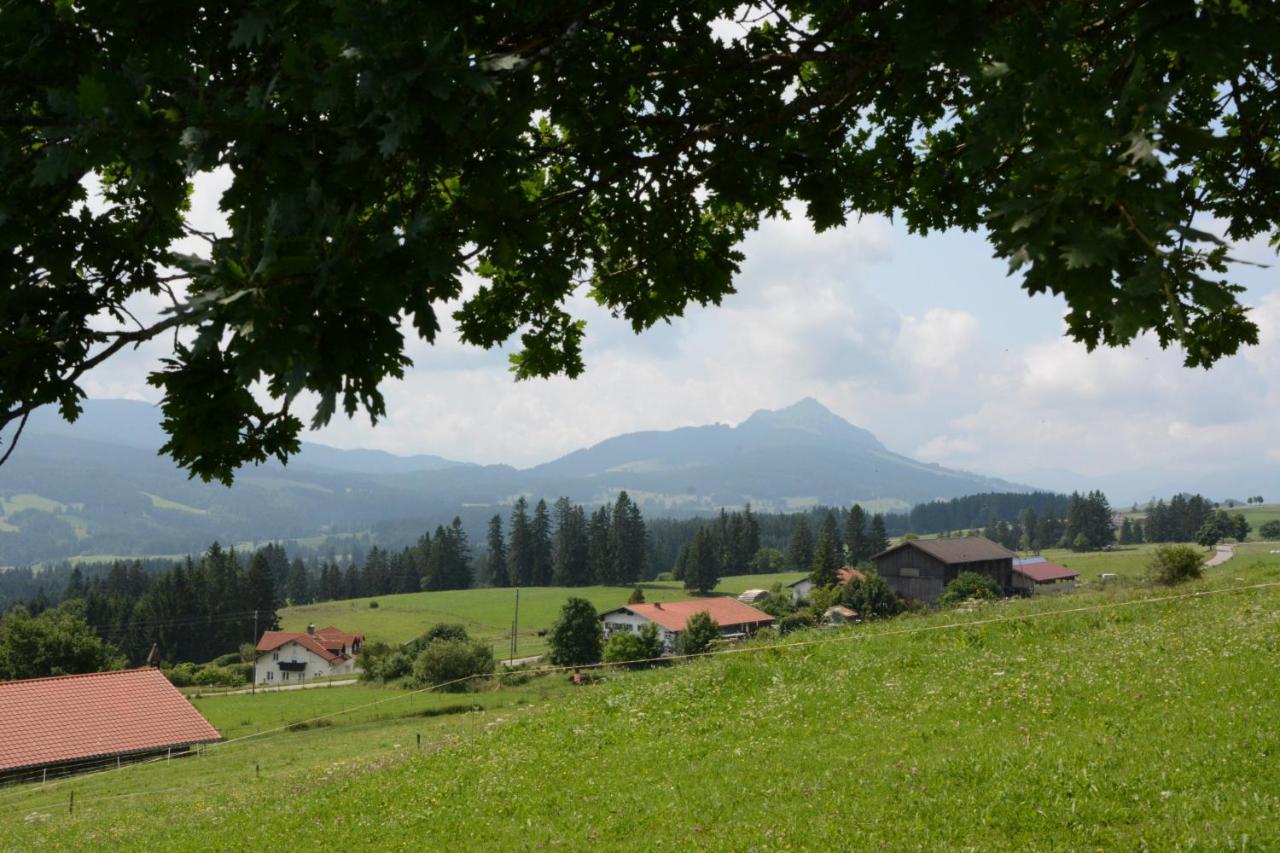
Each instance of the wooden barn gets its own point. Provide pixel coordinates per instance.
(921, 568)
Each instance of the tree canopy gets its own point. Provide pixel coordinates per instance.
(380, 152)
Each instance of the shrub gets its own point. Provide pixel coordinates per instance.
(576, 637)
(226, 660)
(373, 605)
(248, 653)
(1270, 530)
(872, 597)
(968, 585)
(1173, 564)
(444, 661)
(795, 622)
(445, 631)
(181, 675)
(637, 596)
(698, 634)
(218, 676)
(624, 646)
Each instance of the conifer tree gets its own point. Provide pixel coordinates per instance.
(600, 546)
(540, 538)
(878, 539)
(520, 548)
(702, 570)
(299, 586)
(498, 574)
(800, 545)
(826, 558)
(855, 535)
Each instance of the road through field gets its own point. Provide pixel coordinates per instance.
(1221, 554)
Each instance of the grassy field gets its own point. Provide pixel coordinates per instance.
(487, 613)
(1133, 718)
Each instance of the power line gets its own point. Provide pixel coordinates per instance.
(852, 636)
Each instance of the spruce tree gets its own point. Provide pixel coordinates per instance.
(702, 570)
(540, 538)
(600, 546)
(855, 535)
(878, 539)
(520, 551)
(299, 586)
(750, 533)
(800, 545)
(498, 575)
(825, 569)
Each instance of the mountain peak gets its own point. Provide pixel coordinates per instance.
(812, 420)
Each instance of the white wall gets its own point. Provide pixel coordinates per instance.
(627, 621)
(266, 669)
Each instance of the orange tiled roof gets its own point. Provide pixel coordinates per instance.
(727, 612)
(272, 640)
(76, 717)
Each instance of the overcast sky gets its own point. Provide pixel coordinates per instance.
(924, 341)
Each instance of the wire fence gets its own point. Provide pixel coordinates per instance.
(111, 765)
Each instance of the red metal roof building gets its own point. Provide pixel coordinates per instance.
(72, 722)
(733, 617)
(1038, 576)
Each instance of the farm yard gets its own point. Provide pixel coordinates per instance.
(1055, 722)
(487, 613)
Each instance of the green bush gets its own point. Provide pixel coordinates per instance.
(698, 634)
(1174, 564)
(576, 637)
(181, 675)
(219, 676)
(445, 662)
(1270, 530)
(227, 659)
(373, 605)
(966, 586)
(445, 631)
(624, 646)
(797, 621)
(871, 597)
(380, 662)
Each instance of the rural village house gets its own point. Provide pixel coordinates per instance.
(1038, 576)
(920, 569)
(71, 723)
(734, 618)
(800, 589)
(287, 657)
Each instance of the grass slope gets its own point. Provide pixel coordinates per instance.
(487, 613)
(1131, 725)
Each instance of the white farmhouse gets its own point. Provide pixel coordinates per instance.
(734, 618)
(800, 589)
(287, 657)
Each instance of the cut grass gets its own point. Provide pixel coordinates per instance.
(487, 613)
(1120, 719)
(164, 503)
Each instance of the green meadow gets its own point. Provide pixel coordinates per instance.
(488, 613)
(1132, 717)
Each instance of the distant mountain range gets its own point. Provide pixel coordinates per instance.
(97, 487)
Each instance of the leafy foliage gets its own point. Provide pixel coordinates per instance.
(625, 646)
(377, 157)
(966, 586)
(1269, 529)
(576, 636)
(1175, 564)
(871, 597)
(451, 663)
(56, 642)
(700, 631)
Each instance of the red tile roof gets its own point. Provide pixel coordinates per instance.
(728, 612)
(272, 640)
(337, 640)
(962, 549)
(1045, 572)
(76, 717)
(847, 575)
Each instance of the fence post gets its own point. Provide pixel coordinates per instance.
(71, 808)
(419, 740)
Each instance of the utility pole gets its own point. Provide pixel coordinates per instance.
(515, 628)
(253, 679)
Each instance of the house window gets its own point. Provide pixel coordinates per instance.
(285, 675)
(270, 675)
(275, 656)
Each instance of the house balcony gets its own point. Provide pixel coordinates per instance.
(293, 665)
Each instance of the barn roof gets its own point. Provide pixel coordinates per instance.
(674, 615)
(1045, 571)
(96, 715)
(965, 549)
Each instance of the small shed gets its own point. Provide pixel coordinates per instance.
(839, 614)
(1038, 576)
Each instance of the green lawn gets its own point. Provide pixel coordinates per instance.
(487, 613)
(1145, 721)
